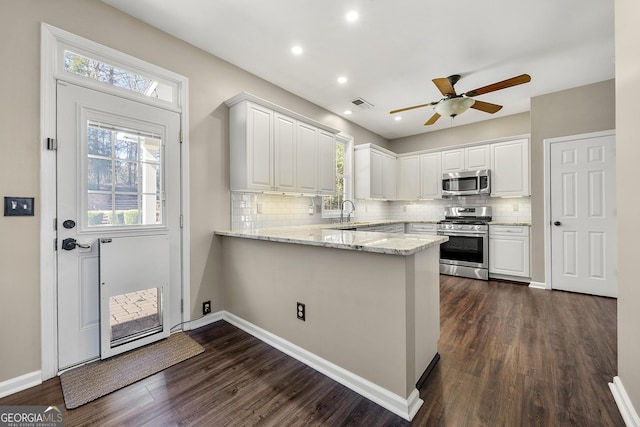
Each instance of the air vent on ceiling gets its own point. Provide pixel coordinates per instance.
(361, 103)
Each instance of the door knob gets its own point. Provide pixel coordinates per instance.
(557, 223)
(70, 244)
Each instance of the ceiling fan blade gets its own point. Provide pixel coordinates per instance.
(487, 107)
(514, 81)
(432, 120)
(444, 86)
(412, 108)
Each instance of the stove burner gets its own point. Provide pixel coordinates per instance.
(465, 221)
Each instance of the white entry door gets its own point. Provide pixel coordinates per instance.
(583, 215)
(118, 177)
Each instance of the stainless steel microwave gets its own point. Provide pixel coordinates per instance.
(466, 183)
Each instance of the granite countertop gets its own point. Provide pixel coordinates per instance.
(328, 235)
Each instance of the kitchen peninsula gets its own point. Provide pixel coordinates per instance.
(371, 317)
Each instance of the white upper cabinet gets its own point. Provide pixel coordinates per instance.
(326, 163)
(510, 171)
(431, 176)
(375, 173)
(409, 177)
(307, 158)
(273, 149)
(251, 135)
(469, 158)
(420, 176)
(285, 153)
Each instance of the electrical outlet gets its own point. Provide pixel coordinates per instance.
(300, 311)
(206, 307)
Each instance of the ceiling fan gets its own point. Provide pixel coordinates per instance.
(453, 104)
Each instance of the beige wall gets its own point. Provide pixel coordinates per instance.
(628, 153)
(503, 127)
(211, 81)
(574, 111)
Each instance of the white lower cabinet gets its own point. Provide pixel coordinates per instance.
(509, 250)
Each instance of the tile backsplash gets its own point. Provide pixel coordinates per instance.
(256, 210)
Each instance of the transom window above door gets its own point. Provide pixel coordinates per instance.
(95, 69)
(124, 185)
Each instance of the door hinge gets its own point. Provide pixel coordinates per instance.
(180, 136)
(181, 306)
(52, 144)
(55, 244)
(55, 224)
(181, 221)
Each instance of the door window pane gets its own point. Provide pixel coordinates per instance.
(124, 177)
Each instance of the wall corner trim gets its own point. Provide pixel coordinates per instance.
(629, 414)
(20, 383)
(538, 285)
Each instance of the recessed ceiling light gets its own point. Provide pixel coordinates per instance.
(352, 16)
(398, 118)
(347, 112)
(296, 50)
(342, 80)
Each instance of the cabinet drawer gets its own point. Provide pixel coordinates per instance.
(509, 230)
(388, 228)
(421, 228)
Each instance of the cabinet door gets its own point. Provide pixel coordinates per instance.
(259, 147)
(409, 177)
(388, 177)
(431, 176)
(326, 163)
(307, 158)
(477, 157)
(453, 160)
(510, 172)
(509, 256)
(375, 173)
(285, 152)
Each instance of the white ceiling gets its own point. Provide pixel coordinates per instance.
(391, 53)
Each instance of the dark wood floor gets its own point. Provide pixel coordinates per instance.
(511, 356)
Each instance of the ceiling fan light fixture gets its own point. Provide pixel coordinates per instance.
(453, 106)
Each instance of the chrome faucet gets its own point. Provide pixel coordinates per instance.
(353, 209)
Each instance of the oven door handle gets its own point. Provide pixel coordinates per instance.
(463, 233)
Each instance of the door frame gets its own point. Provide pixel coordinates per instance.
(53, 41)
(547, 194)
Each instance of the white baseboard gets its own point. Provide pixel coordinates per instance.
(537, 285)
(629, 414)
(203, 321)
(406, 408)
(20, 383)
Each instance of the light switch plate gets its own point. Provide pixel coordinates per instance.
(18, 206)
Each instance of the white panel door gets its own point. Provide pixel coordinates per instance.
(118, 175)
(583, 202)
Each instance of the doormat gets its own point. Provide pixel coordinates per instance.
(89, 382)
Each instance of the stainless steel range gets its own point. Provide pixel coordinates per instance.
(466, 253)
